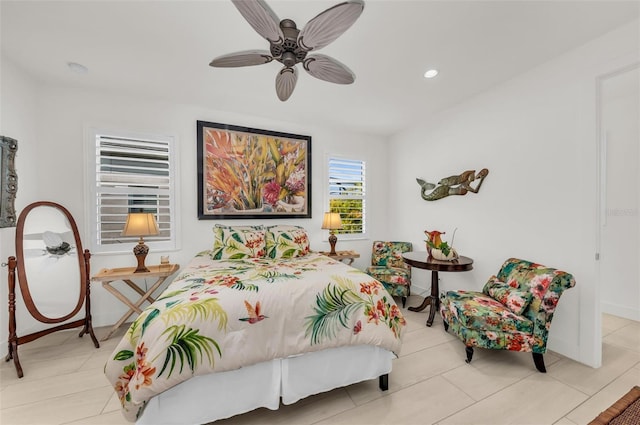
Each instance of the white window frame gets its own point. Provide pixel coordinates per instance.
(348, 236)
(155, 244)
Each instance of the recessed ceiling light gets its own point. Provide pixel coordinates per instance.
(77, 68)
(431, 73)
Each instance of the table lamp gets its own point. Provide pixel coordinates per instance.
(141, 224)
(332, 222)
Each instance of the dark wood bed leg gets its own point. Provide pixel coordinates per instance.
(383, 382)
(469, 351)
(446, 325)
(404, 302)
(539, 361)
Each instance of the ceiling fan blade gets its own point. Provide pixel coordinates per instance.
(328, 69)
(286, 82)
(245, 58)
(329, 25)
(261, 18)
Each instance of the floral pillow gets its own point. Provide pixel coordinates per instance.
(286, 241)
(513, 298)
(235, 242)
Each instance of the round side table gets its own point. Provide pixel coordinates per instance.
(422, 260)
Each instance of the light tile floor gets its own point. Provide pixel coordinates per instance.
(430, 384)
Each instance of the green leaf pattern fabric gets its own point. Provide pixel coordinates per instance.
(388, 267)
(220, 315)
(482, 321)
(286, 242)
(238, 242)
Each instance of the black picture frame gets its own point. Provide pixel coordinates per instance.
(249, 173)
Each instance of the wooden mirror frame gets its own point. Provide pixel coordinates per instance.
(18, 263)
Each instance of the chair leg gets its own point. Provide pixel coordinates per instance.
(404, 301)
(446, 325)
(539, 362)
(469, 351)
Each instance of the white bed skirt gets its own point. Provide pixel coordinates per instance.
(208, 398)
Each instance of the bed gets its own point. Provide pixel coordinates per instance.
(258, 315)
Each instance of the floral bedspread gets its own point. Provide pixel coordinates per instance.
(220, 315)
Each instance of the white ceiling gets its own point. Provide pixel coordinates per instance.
(161, 50)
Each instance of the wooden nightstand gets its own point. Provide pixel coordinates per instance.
(342, 255)
(125, 274)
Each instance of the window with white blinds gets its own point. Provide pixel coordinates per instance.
(347, 194)
(131, 174)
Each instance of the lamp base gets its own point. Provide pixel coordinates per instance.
(141, 267)
(332, 241)
(140, 251)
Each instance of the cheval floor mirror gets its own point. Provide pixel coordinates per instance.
(53, 273)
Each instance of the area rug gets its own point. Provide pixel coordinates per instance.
(625, 411)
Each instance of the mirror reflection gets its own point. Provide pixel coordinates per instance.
(51, 261)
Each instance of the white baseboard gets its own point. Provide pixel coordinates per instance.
(621, 311)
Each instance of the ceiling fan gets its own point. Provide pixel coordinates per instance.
(290, 45)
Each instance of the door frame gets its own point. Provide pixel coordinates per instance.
(601, 169)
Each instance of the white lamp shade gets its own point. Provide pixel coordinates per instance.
(331, 221)
(141, 224)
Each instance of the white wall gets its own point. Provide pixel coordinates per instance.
(61, 118)
(537, 136)
(18, 119)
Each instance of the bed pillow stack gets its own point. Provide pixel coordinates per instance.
(279, 241)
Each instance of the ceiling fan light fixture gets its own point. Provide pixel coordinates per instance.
(431, 73)
(286, 43)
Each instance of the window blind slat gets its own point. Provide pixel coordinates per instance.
(132, 175)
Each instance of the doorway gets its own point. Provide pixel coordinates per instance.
(619, 192)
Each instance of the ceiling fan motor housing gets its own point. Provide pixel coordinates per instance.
(288, 53)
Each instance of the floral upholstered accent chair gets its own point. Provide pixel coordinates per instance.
(388, 267)
(513, 311)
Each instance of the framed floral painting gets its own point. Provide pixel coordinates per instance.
(250, 173)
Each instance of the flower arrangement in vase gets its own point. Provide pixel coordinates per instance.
(438, 249)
